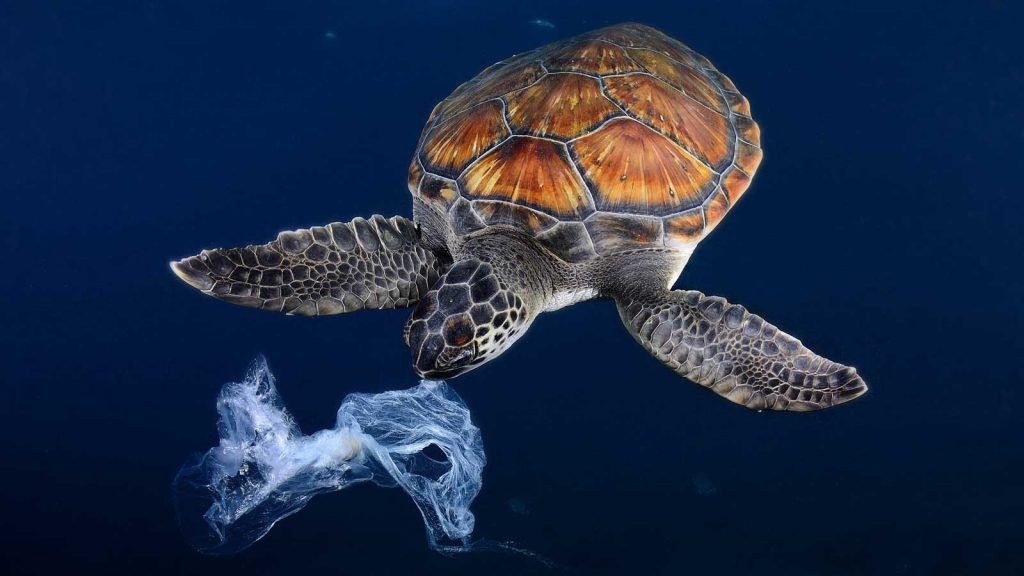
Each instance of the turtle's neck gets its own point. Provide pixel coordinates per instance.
(637, 272)
(523, 264)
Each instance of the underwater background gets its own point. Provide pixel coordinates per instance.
(883, 230)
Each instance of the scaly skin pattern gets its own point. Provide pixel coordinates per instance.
(469, 317)
(735, 353)
(342, 267)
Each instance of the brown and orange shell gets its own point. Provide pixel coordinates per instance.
(618, 139)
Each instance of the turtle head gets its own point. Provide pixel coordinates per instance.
(469, 317)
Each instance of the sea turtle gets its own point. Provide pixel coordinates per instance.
(588, 168)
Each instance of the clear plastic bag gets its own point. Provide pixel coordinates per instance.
(264, 469)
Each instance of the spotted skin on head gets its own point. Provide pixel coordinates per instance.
(342, 267)
(469, 317)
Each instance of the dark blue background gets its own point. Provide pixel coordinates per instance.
(882, 229)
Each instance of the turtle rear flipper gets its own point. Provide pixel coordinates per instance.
(735, 353)
(342, 267)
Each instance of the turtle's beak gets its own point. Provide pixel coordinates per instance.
(441, 362)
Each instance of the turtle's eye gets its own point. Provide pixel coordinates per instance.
(450, 358)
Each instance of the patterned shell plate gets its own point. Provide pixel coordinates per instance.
(618, 139)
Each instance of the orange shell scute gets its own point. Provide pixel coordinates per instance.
(674, 49)
(715, 209)
(701, 131)
(637, 170)
(559, 106)
(620, 232)
(682, 78)
(438, 191)
(496, 81)
(456, 141)
(595, 57)
(513, 215)
(684, 229)
(618, 139)
(531, 172)
(627, 34)
(735, 183)
(415, 175)
(738, 103)
(748, 157)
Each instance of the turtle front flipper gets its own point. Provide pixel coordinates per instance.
(735, 353)
(342, 267)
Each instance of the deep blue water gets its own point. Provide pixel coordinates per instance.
(882, 229)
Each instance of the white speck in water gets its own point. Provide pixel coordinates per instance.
(703, 485)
